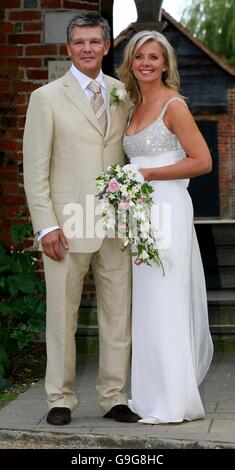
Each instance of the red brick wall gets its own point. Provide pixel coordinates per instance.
(226, 152)
(231, 152)
(23, 67)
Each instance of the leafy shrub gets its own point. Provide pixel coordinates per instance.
(22, 292)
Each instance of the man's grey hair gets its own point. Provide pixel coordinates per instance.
(88, 19)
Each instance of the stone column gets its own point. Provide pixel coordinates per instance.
(149, 15)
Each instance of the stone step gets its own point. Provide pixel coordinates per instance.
(220, 277)
(217, 244)
(215, 233)
(221, 314)
(85, 330)
(221, 297)
(221, 307)
(221, 255)
(87, 315)
(224, 343)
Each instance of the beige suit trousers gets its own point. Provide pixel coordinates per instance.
(64, 282)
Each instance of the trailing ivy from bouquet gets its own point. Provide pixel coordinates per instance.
(126, 207)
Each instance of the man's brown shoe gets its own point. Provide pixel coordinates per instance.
(59, 416)
(122, 413)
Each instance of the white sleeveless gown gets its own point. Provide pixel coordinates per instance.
(171, 342)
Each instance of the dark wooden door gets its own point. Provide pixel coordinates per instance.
(204, 190)
(106, 10)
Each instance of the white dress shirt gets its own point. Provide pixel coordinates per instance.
(84, 81)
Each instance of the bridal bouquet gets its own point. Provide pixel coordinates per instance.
(126, 204)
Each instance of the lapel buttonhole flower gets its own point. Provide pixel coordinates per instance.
(118, 95)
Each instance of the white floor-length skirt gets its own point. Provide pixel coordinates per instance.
(171, 342)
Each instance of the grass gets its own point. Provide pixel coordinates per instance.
(6, 397)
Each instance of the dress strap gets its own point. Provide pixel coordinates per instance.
(174, 98)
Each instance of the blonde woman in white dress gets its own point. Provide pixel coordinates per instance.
(171, 342)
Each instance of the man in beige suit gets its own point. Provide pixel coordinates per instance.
(73, 132)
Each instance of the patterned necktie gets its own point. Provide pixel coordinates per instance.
(98, 105)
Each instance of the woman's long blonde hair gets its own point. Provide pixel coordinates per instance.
(170, 77)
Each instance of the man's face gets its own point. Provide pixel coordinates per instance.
(87, 49)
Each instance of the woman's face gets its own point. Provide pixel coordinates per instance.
(148, 63)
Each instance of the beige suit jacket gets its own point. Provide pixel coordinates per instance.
(64, 152)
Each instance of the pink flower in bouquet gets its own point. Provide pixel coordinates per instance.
(122, 205)
(122, 226)
(138, 261)
(113, 186)
(142, 200)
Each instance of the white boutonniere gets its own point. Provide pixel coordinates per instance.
(118, 95)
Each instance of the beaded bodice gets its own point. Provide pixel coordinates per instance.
(153, 140)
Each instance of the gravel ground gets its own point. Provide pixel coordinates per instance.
(22, 444)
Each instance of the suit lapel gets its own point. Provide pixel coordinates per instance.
(77, 96)
(111, 107)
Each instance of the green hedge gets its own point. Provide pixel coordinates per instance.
(22, 292)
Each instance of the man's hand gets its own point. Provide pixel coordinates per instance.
(51, 244)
